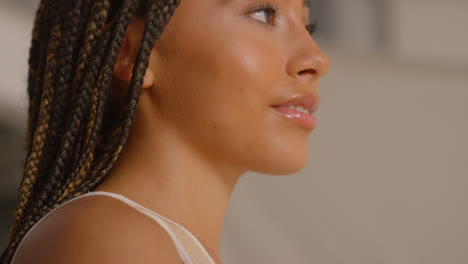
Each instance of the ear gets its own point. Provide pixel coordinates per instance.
(128, 52)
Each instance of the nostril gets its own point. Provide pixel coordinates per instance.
(309, 71)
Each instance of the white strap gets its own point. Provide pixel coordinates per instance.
(180, 248)
(181, 227)
(156, 216)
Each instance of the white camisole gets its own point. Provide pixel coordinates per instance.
(190, 249)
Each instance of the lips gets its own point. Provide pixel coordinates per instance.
(307, 101)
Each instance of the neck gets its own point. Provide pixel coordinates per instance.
(162, 172)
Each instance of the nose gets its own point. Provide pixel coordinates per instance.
(307, 60)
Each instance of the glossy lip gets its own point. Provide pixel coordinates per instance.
(308, 101)
(302, 119)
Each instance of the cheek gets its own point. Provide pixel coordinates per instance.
(225, 78)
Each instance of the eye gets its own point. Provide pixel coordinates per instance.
(270, 11)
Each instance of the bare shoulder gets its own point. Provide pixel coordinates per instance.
(97, 229)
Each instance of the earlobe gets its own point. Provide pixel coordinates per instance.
(148, 78)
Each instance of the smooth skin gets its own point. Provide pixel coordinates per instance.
(204, 118)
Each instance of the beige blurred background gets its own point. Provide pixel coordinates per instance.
(387, 178)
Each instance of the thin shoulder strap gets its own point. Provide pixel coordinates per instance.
(180, 248)
(160, 218)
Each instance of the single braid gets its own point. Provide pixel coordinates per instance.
(36, 62)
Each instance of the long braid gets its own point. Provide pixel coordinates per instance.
(33, 164)
(37, 62)
(69, 147)
(35, 70)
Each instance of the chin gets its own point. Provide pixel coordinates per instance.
(282, 164)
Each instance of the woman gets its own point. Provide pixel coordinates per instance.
(136, 139)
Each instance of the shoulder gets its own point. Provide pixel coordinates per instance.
(97, 229)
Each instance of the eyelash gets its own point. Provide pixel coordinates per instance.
(311, 27)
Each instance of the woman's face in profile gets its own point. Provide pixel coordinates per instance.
(221, 69)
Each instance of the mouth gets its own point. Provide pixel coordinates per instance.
(308, 103)
(300, 109)
(300, 117)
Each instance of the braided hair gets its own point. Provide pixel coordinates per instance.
(74, 133)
